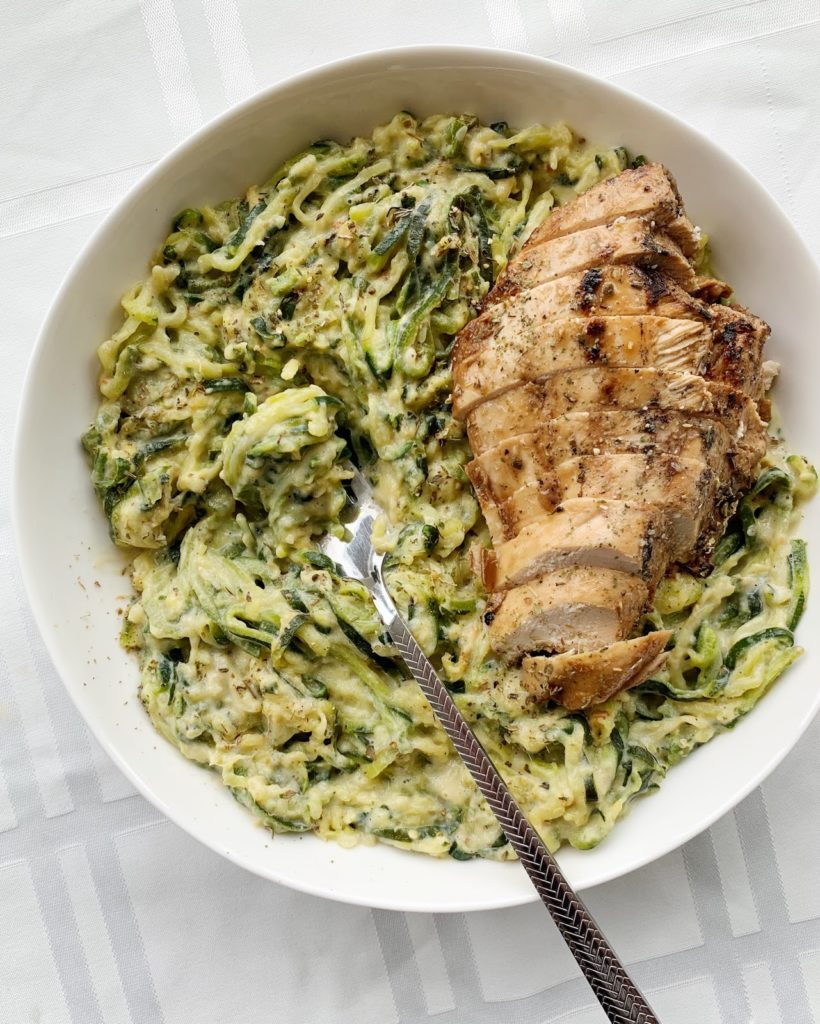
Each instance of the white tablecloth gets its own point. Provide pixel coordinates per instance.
(109, 913)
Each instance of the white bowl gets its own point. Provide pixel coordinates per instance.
(73, 574)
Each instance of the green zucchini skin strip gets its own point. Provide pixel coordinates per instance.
(799, 582)
(741, 647)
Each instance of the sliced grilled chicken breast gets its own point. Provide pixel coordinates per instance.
(516, 479)
(631, 240)
(648, 191)
(613, 404)
(561, 345)
(684, 489)
(532, 457)
(578, 680)
(738, 337)
(644, 389)
(501, 470)
(727, 349)
(636, 387)
(685, 235)
(604, 291)
(576, 608)
(651, 392)
(506, 518)
(601, 532)
(711, 290)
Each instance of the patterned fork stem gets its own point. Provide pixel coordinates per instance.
(617, 993)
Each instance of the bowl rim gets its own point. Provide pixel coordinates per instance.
(363, 61)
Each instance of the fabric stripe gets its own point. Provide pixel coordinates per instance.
(230, 48)
(30, 988)
(571, 31)
(617, 20)
(438, 993)
(171, 63)
(462, 965)
(8, 818)
(511, 976)
(810, 969)
(400, 965)
(72, 736)
(18, 770)
(710, 904)
(540, 28)
(88, 914)
(795, 827)
(61, 203)
(64, 938)
(734, 877)
(726, 31)
(760, 990)
(113, 784)
(774, 121)
(506, 24)
(756, 836)
(692, 1001)
(16, 665)
(123, 931)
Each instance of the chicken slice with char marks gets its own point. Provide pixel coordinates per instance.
(580, 679)
(727, 350)
(737, 356)
(564, 345)
(648, 191)
(684, 489)
(711, 290)
(646, 390)
(685, 235)
(598, 532)
(511, 497)
(628, 240)
(533, 456)
(602, 291)
(575, 608)
(637, 387)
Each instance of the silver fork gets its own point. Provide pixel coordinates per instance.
(618, 995)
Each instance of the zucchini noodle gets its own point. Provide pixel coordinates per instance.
(282, 336)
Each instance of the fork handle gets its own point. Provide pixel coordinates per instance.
(616, 992)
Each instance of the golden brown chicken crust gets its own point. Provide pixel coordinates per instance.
(631, 241)
(684, 489)
(579, 680)
(736, 358)
(647, 390)
(647, 191)
(570, 609)
(711, 289)
(602, 291)
(516, 476)
(731, 447)
(727, 350)
(598, 532)
(565, 345)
